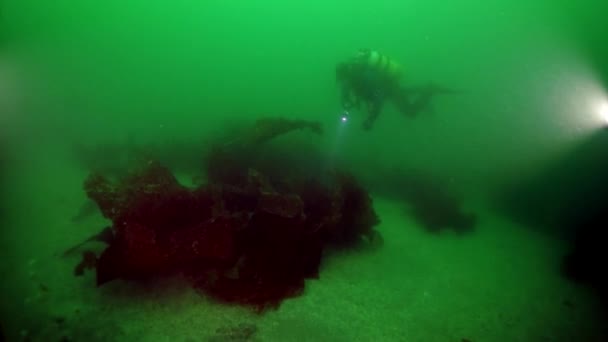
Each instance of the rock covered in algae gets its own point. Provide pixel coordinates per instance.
(247, 243)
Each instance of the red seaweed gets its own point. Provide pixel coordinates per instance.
(241, 241)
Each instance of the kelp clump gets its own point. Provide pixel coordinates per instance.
(249, 240)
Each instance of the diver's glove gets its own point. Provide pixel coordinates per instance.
(345, 115)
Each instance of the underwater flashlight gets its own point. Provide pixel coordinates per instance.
(603, 111)
(344, 116)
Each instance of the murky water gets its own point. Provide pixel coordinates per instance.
(515, 153)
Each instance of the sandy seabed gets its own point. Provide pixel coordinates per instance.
(499, 283)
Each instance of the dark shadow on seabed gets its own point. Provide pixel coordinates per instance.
(569, 199)
(428, 199)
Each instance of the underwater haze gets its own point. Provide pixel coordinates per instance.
(480, 197)
(161, 69)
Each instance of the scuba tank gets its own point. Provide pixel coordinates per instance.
(379, 62)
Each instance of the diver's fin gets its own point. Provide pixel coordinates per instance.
(434, 89)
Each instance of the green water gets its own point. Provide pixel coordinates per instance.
(532, 77)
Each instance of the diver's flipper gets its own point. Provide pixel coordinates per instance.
(434, 89)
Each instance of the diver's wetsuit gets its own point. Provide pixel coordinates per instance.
(365, 84)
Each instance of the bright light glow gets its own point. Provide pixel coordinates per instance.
(603, 110)
(344, 119)
(570, 96)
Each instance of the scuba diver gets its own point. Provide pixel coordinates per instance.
(371, 79)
